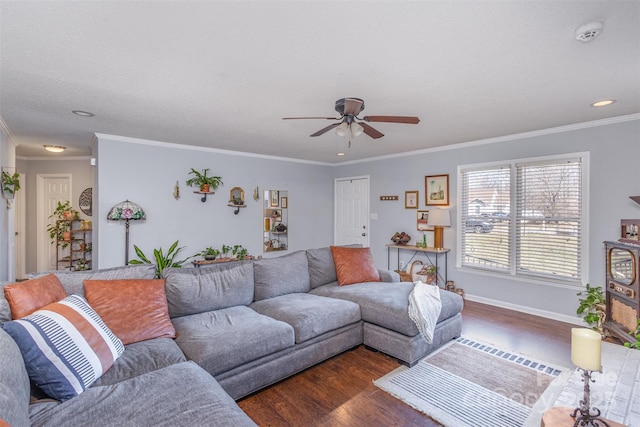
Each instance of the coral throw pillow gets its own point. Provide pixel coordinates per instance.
(134, 309)
(354, 265)
(65, 346)
(26, 297)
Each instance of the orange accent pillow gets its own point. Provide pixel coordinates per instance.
(26, 297)
(354, 265)
(134, 309)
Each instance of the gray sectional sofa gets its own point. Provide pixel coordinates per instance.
(241, 326)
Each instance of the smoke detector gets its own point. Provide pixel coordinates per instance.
(588, 32)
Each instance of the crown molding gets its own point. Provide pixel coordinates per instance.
(130, 140)
(506, 138)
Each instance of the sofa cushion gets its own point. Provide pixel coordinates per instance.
(134, 309)
(72, 281)
(281, 275)
(142, 357)
(14, 384)
(223, 339)
(26, 297)
(322, 270)
(387, 304)
(354, 265)
(65, 346)
(310, 315)
(196, 290)
(180, 395)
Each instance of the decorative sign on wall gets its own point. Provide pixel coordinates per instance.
(385, 198)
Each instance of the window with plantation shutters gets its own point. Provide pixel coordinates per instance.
(525, 218)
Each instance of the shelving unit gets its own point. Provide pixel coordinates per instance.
(72, 254)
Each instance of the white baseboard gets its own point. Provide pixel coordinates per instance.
(574, 320)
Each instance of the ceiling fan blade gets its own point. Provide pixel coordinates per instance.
(393, 119)
(322, 118)
(325, 129)
(353, 106)
(373, 133)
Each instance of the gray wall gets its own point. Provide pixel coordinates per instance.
(614, 176)
(7, 241)
(81, 173)
(146, 173)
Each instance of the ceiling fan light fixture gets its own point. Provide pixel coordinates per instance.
(356, 130)
(342, 129)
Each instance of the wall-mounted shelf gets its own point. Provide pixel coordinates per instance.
(204, 195)
(237, 210)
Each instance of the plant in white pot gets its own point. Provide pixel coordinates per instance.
(10, 184)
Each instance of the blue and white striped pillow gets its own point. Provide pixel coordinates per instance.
(65, 346)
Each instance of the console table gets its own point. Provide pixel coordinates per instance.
(429, 253)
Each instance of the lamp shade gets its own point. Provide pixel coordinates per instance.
(356, 130)
(342, 129)
(125, 211)
(439, 218)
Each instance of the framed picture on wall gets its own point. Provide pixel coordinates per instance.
(423, 220)
(436, 188)
(411, 199)
(284, 201)
(275, 198)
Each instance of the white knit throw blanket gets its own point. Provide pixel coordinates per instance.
(424, 308)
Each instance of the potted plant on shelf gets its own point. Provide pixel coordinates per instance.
(225, 251)
(593, 308)
(206, 183)
(239, 252)
(10, 184)
(59, 228)
(209, 253)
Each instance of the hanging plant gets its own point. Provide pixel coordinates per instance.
(204, 182)
(10, 184)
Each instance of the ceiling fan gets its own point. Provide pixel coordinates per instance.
(351, 125)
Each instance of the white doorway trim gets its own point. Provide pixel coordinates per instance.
(20, 232)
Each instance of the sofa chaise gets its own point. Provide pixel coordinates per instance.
(239, 327)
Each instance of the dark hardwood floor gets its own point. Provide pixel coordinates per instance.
(340, 391)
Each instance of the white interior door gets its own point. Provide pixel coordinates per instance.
(352, 211)
(51, 188)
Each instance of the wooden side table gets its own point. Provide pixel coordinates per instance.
(560, 416)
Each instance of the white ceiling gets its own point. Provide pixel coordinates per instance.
(222, 74)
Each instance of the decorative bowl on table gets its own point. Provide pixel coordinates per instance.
(401, 238)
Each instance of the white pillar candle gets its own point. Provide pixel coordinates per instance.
(586, 349)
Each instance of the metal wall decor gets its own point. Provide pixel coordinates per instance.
(86, 201)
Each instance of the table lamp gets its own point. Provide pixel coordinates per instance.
(586, 354)
(126, 211)
(439, 218)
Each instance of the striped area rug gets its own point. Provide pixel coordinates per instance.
(471, 384)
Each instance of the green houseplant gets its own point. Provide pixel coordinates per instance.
(239, 252)
(592, 307)
(58, 228)
(209, 253)
(636, 335)
(10, 184)
(204, 182)
(162, 260)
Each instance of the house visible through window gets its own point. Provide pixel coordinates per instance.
(525, 217)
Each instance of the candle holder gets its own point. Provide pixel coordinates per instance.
(585, 415)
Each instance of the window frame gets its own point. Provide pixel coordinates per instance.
(511, 272)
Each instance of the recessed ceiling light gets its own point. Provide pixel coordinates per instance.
(83, 113)
(340, 154)
(55, 148)
(603, 103)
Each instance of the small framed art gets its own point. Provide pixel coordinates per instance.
(423, 220)
(275, 198)
(411, 199)
(436, 189)
(284, 202)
